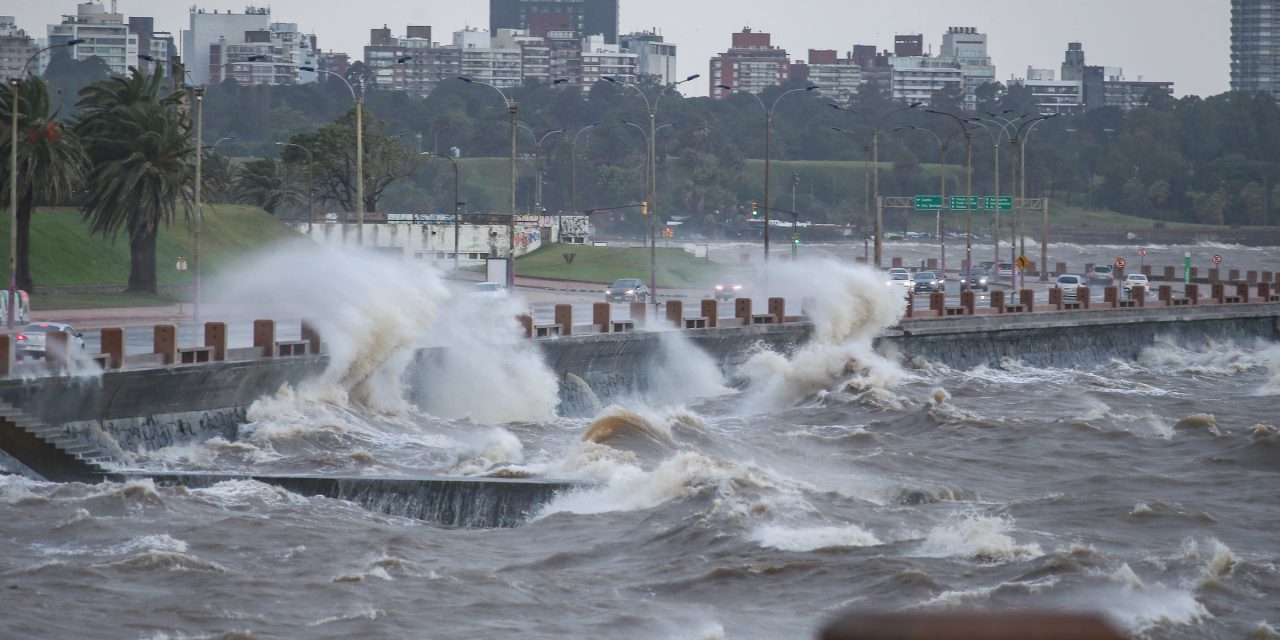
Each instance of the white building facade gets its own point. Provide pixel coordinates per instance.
(968, 49)
(105, 35)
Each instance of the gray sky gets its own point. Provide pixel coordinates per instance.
(1185, 41)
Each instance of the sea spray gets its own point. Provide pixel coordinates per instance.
(369, 310)
(681, 373)
(849, 305)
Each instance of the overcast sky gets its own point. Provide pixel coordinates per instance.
(1185, 41)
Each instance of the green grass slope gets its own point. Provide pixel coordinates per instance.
(676, 267)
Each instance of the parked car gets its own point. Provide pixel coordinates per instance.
(1101, 274)
(31, 340)
(901, 278)
(489, 290)
(729, 291)
(1003, 271)
(627, 290)
(1133, 280)
(976, 279)
(929, 281)
(1070, 285)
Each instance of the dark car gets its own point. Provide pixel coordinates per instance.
(929, 281)
(730, 290)
(1100, 274)
(627, 290)
(977, 279)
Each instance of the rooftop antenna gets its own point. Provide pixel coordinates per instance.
(113, 6)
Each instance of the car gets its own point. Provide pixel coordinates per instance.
(1100, 274)
(977, 279)
(901, 278)
(1133, 280)
(1003, 271)
(1070, 285)
(627, 290)
(489, 290)
(929, 281)
(729, 291)
(31, 340)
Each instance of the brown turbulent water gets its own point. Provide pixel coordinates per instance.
(1146, 490)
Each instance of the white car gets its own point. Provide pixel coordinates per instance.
(489, 290)
(31, 340)
(1134, 280)
(900, 277)
(1069, 284)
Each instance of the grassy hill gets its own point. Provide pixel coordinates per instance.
(63, 252)
(676, 267)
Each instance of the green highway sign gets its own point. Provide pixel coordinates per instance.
(989, 203)
(928, 203)
(961, 203)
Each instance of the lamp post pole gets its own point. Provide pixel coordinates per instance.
(573, 167)
(11, 303)
(996, 167)
(968, 208)
(875, 160)
(652, 109)
(942, 186)
(311, 181)
(456, 204)
(768, 136)
(537, 165)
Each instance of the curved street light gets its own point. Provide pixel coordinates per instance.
(942, 185)
(573, 166)
(875, 159)
(456, 203)
(652, 201)
(311, 179)
(13, 178)
(768, 131)
(968, 208)
(1024, 132)
(866, 183)
(537, 164)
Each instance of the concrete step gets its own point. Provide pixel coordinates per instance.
(75, 448)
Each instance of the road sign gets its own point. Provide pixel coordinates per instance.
(1120, 263)
(667, 233)
(182, 263)
(1217, 259)
(962, 203)
(568, 257)
(1186, 268)
(928, 203)
(1142, 252)
(990, 202)
(1022, 263)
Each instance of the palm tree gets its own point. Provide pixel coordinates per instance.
(140, 151)
(50, 162)
(267, 183)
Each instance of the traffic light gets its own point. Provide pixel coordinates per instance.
(755, 209)
(795, 238)
(644, 208)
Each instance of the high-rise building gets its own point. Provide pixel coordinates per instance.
(1106, 86)
(16, 47)
(918, 78)
(969, 49)
(751, 64)
(209, 30)
(587, 17)
(420, 73)
(837, 78)
(1255, 46)
(219, 46)
(657, 58)
(1054, 96)
(159, 45)
(104, 33)
(908, 46)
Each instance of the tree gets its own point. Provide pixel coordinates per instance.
(140, 151)
(68, 76)
(386, 159)
(50, 162)
(218, 178)
(267, 183)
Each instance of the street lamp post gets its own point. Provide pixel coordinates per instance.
(875, 160)
(456, 203)
(652, 202)
(942, 186)
(1044, 234)
(13, 178)
(768, 130)
(512, 108)
(573, 167)
(866, 179)
(311, 181)
(1005, 124)
(537, 164)
(968, 209)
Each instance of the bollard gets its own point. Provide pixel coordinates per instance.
(1267, 277)
(1139, 294)
(6, 355)
(1027, 299)
(931, 264)
(1169, 274)
(215, 335)
(1218, 292)
(639, 311)
(675, 313)
(1146, 270)
(526, 321)
(1233, 275)
(264, 337)
(1264, 292)
(1214, 273)
(1055, 298)
(1061, 268)
(564, 318)
(1166, 294)
(1251, 277)
(938, 303)
(1242, 291)
(1088, 267)
(165, 342)
(968, 300)
(860, 260)
(742, 310)
(113, 345)
(1193, 293)
(911, 306)
(600, 312)
(896, 263)
(711, 311)
(1083, 296)
(309, 334)
(997, 301)
(1031, 268)
(1195, 273)
(1008, 625)
(1119, 274)
(778, 309)
(1111, 296)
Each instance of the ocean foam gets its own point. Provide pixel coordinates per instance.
(978, 538)
(790, 538)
